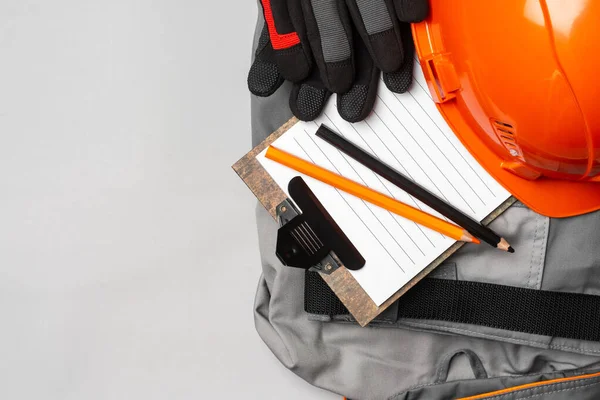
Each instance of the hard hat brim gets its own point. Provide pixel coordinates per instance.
(549, 197)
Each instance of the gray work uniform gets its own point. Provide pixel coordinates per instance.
(421, 359)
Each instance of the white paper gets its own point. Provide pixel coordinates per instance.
(408, 133)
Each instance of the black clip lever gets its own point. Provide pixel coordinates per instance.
(312, 239)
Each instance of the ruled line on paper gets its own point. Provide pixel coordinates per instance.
(374, 153)
(338, 191)
(362, 180)
(369, 205)
(440, 192)
(432, 181)
(420, 146)
(352, 208)
(386, 185)
(389, 193)
(388, 149)
(427, 234)
(410, 92)
(444, 154)
(404, 196)
(447, 140)
(419, 79)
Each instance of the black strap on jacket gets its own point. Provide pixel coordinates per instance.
(540, 312)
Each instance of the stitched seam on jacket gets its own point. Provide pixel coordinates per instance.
(499, 397)
(543, 247)
(425, 385)
(532, 251)
(539, 245)
(514, 340)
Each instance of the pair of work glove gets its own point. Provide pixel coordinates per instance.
(335, 46)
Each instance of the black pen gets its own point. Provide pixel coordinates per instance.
(475, 228)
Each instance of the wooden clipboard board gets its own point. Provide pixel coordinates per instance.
(343, 284)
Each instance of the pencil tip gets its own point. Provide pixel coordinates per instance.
(505, 246)
(467, 237)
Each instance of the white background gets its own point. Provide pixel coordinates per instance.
(128, 250)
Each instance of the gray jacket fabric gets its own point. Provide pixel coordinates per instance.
(418, 359)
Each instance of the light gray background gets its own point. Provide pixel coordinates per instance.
(128, 251)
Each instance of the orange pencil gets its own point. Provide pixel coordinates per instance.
(370, 195)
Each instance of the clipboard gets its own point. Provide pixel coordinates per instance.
(341, 281)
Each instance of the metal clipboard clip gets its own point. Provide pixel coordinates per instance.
(311, 239)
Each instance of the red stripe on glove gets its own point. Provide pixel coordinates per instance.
(279, 42)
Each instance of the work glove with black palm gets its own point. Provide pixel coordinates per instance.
(335, 46)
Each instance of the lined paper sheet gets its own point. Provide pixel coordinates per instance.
(408, 133)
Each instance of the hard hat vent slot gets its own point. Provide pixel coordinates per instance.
(504, 129)
(503, 125)
(506, 134)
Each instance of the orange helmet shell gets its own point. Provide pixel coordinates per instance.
(518, 84)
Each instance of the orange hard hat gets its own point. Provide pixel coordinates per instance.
(518, 83)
